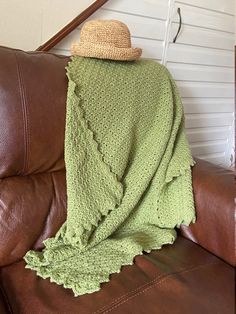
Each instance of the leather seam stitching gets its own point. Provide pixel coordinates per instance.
(24, 114)
(34, 174)
(156, 281)
(48, 213)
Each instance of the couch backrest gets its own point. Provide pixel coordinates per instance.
(32, 112)
(33, 90)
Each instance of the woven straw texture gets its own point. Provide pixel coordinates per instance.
(106, 39)
(128, 172)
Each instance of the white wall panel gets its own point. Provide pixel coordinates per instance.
(208, 147)
(202, 37)
(216, 158)
(138, 25)
(150, 8)
(193, 72)
(65, 44)
(202, 63)
(207, 134)
(152, 49)
(61, 51)
(199, 55)
(208, 105)
(223, 6)
(204, 18)
(205, 89)
(199, 120)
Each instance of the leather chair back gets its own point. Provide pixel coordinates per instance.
(33, 90)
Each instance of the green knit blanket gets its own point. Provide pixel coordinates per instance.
(128, 171)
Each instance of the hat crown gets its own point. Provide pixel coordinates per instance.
(106, 39)
(110, 33)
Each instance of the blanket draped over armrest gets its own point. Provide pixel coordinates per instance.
(128, 171)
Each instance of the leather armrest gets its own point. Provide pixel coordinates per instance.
(214, 193)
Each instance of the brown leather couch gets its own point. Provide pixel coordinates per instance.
(194, 275)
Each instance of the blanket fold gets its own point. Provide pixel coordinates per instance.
(128, 171)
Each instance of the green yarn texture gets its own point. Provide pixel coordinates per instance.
(128, 172)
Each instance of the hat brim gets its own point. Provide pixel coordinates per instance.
(105, 52)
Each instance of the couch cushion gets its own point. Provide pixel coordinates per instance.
(180, 278)
(32, 208)
(32, 112)
(4, 307)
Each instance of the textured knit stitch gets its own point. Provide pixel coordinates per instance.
(128, 171)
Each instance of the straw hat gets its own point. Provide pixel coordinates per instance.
(106, 39)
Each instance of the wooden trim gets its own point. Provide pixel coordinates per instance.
(71, 26)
